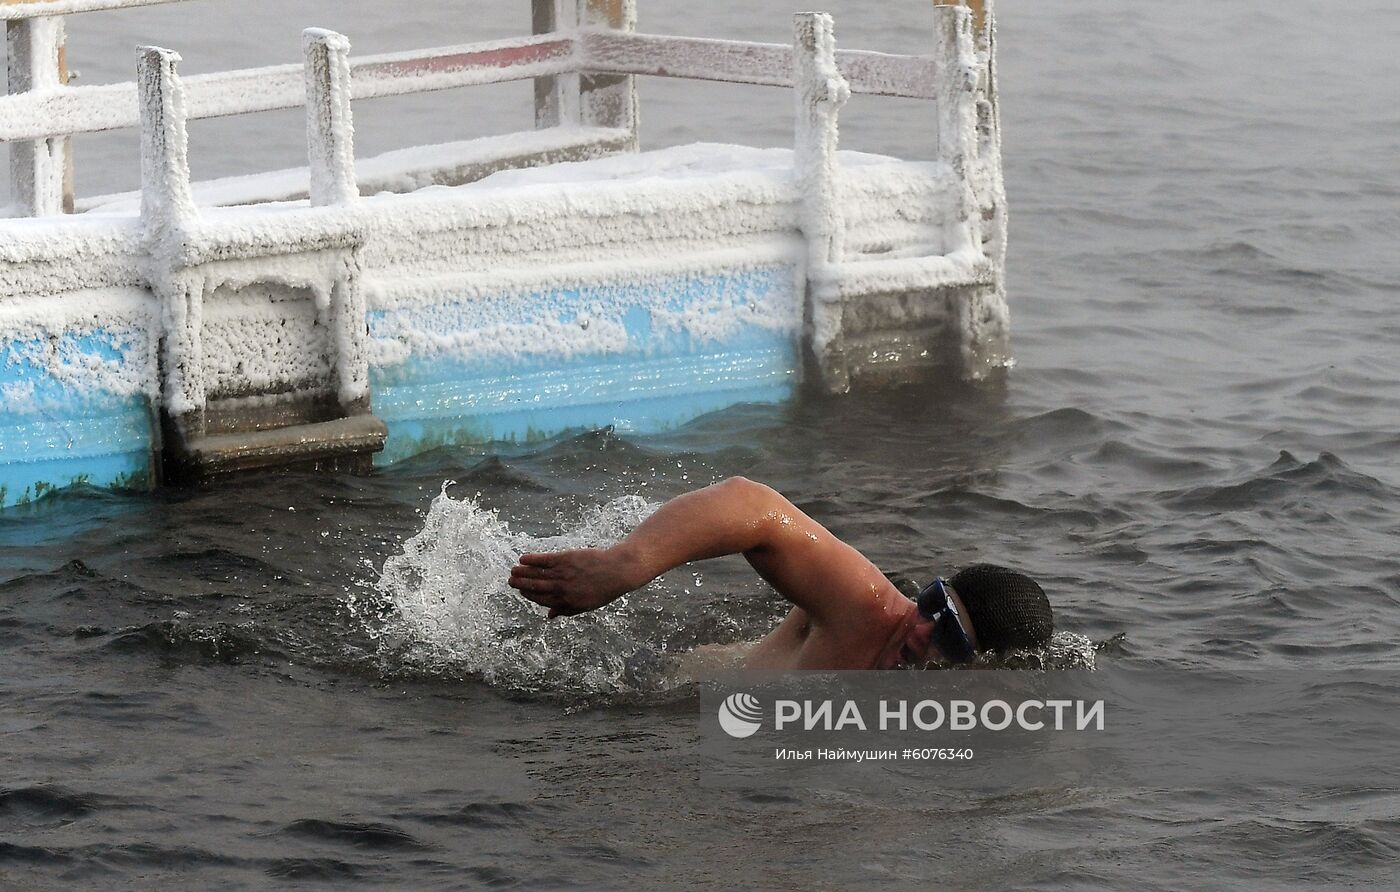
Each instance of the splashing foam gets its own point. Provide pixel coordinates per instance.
(448, 610)
(1066, 650)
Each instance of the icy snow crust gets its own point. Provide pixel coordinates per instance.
(266, 339)
(397, 171)
(574, 312)
(694, 210)
(86, 348)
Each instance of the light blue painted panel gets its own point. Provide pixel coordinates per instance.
(57, 431)
(642, 357)
(680, 347)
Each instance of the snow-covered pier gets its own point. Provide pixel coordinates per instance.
(504, 288)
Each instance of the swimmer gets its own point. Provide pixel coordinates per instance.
(846, 614)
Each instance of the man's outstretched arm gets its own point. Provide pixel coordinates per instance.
(798, 556)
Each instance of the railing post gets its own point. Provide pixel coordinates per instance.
(167, 211)
(969, 139)
(609, 100)
(955, 54)
(38, 170)
(166, 199)
(589, 100)
(330, 137)
(979, 13)
(992, 197)
(330, 129)
(821, 91)
(556, 97)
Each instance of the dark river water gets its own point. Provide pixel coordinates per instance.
(1196, 453)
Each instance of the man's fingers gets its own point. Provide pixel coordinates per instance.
(541, 578)
(553, 602)
(546, 593)
(535, 586)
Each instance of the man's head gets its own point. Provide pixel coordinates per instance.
(999, 609)
(1007, 610)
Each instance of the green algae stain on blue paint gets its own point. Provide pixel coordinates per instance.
(664, 375)
(688, 345)
(55, 434)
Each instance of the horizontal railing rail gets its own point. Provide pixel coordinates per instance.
(63, 111)
(745, 62)
(88, 109)
(18, 10)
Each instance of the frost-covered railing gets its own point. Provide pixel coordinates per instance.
(71, 110)
(42, 110)
(594, 39)
(744, 62)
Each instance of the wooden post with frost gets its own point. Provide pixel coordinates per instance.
(167, 212)
(955, 54)
(330, 129)
(821, 91)
(330, 140)
(977, 8)
(969, 141)
(552, 104)
(609, 100)
(166, 199)
(39, 182)
(590, 100)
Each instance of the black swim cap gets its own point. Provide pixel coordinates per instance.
(1008, 610)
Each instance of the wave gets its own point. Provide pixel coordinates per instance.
(1286, 479)
(380, 837)
(180, 640)
(1066, 424)
(44, 806)
(483, 815)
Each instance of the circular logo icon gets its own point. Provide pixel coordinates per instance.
(740, 715)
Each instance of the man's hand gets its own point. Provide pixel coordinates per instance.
(575, 581)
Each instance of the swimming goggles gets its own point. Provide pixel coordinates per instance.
(936, 604)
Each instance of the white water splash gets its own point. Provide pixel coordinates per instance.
(1070, 650)
(1066, 650)
(451, 612)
